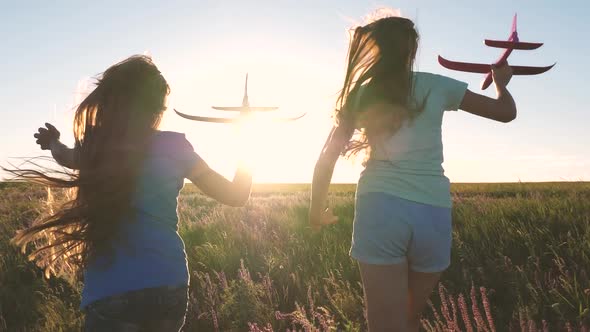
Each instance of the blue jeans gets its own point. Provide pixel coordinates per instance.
(152, 309)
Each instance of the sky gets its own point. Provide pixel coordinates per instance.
(294, 52)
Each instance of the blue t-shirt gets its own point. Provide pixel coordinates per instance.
(408, 164)
(148, 251)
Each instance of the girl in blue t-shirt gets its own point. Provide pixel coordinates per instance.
(121, 227)
(402, 224)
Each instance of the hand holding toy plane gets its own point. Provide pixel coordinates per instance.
(513, 43)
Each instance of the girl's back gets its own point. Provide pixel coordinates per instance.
(408, 163)
(148, 250)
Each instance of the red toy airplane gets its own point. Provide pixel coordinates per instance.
(511, 44)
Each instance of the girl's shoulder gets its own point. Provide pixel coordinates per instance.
(432, 79)
(428, 78)
(174, 146)
(170, 136)
(171, 141)
(165, 134)
(437, 83)
(446, 90)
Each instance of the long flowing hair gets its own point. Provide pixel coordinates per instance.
(112, 128)
(378, 77)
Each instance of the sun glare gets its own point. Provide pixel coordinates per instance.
(261, 142)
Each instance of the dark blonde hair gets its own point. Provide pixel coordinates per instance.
(112, 127)
(379, 71)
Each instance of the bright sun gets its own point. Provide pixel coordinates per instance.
(261, 142)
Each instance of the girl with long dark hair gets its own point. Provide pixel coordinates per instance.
(120, 229)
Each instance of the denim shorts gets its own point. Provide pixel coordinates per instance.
(152, 309)
(392, 230)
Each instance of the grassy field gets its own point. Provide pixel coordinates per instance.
(520, 262)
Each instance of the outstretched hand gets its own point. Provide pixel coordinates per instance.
(326, 217)
(46, 136)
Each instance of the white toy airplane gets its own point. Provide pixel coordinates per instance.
(244, 110)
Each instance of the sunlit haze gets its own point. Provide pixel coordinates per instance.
(294, 52)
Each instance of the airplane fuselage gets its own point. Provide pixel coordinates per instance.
(503, 58)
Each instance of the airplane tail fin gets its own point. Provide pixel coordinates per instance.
(245, 102)
(513, 24)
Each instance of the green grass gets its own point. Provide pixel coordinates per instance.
(526, 244)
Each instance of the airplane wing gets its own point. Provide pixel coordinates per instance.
(483, 68)
(512, 44)
(237, 108)
(245, 109)
(207, 118)
(517, 70)
(262, 109)
(233, 120)
(525, 70)
(267, 119)
(289, 119)
(464, 66)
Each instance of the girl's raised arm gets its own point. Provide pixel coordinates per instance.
(503, 108)
(337, 140)
(48, 139)
(234, 193)
(64, 155)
